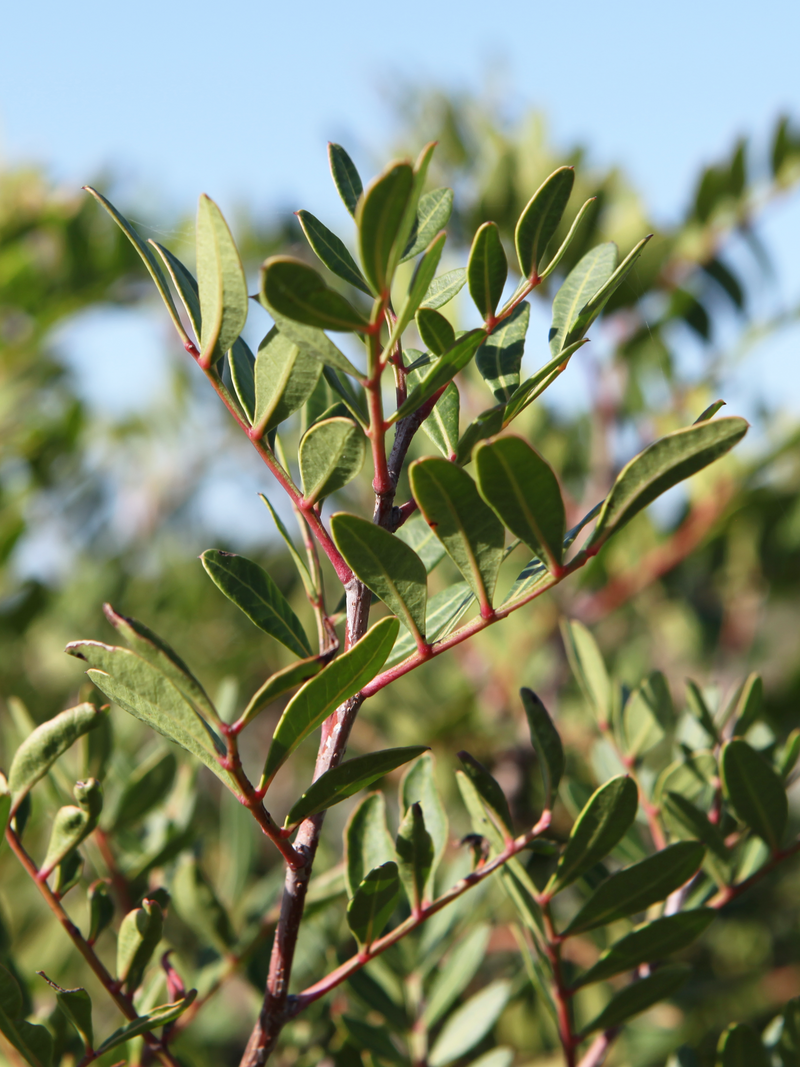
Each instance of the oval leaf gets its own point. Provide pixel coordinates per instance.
(379, 217)
(436, 332)
(487, 269)
(332, 251)
(500, 356)
(38, 752)
(298, 292)
(374, 901)
(367, 843)
(285, 377)
(640, 995)
(488, 789)
(331, 454)
(221, 283)
(540, 218)
(755, 791)
(546, 742)
(278, 684)
(345, 176)
(470, 1023)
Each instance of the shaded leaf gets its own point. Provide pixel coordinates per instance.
(492, 796)
(416, 533)
(588, 667)
(372, 1039)
(332, 251)
(367, 843)
(565, 244)
(311, 340)
(696, 704)
(420, 283)
(640, 995)
(222, 288)
(373, 903)
(285, 377)
(379, 216)
(39, 751)
(487, 424)
(451, 979)
(487, 269)
(584, 280)
(279, 683)
(101, 909)
(740, 1046)
(415, 853)
(444, 369)
(546, 743)
(331, 454)
(748, 706)
(33, 1042)
(345, 176)
(539, 220)
(185, 283)
(470, 1023)
(418, 786)
(710, 411)
(242, 363)
(77, 1006)
(755, 791)
(482, 825)
(138, 937)
(500, 356)
(433, 212)
(199, 906)
(442, 289)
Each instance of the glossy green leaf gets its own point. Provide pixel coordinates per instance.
(138, 937)
(252, 590)
(524, 493)
(442, 289)
(38, 752)
(755, 791)
(348, 778)
(488, 789)
(470, 1023)
(279, 683)
(373, 903)
(155, 650)
(74, 822)
(640, 995)
(485, 425)
(649, 944)
(33, 1042)
(331, 454)
(487, 269)
(340, 680)
(534, 386)
(77, 1006)
(285, 377)
(155, 1018)
(546, 743)
(367, 843)
(345, 176)
(443, 370)
(416, 533)
(436, 332)
(451, 979)
(588, 667)
(539, 220)
(386, 565)
(242, 365)
(379, 216)
(585, 279)
(101, 909)
(198, 905)
(415, 852)
(740, 1046)
(332, 251)
(433, 212)
(297, 292)
(637, 887)
(500, 356)
(748, 705)
(601, 825)
(444, 611)
(222, 287)
(374, 1040)
(418, 786)
(470, 532)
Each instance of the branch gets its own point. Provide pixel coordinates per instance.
(596, 1053)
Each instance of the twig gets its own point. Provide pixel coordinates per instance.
(596, 1053)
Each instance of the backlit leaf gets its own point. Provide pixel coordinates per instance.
(441, 425)
(221, 283)
(414, 847)
(540, 218)
(331, 454)
(500, 356)
(534, 386)
(442, 289)
(487, 269)
(433, 212)
(285, 377)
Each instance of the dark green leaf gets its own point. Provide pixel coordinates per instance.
(379, 217)
(345, 177)
(77, 1006)
(311, 340)
(539, 221)
(487, 424)
(285, 377)
(33, 1042)
(686, 816)
(489, 790)
(373, 903)
(436, 332)
(198, 905)
(710, 411)
(367, 843)
(740, 1046)
(470, 1023)
(696, 704)
(500, 356)
(419, 787)
(386, 565)
(221, 283)
(534, 386)
(38, 752)
(444, 611)
(420, 283)
(789, 1041)
(415, 853)
(663, 464)
(372, 1039)
(331, 454)
(279, 683)
(601, 825)
(416, 533)
(376, 997)
(584, 280)
(748, 706)
(755, 791)
(433, 212)
(470, 532)
(649, 943)
(586, 316)
(242, 363)
(138, 937)
(588, 667)
(450, 980)
(340, 680)
(5, 807)
(185, 283)
(482, 825)
(442, 289)
(546, 743)
(640, 995)
(296, 291)
(101, 909)
(443, 371)
(156, 1017)
(487, 269)
(332, 251)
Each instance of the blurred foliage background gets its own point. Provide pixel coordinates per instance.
(706, 586)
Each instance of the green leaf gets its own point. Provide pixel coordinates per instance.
(415, 853)
(789, 1041)
(663, 464)
(539, 220)
(470, 532)
(748, 706)
(339, 681)
(73, 823)
(565, 244)
(649, 943)
(496, 1057)
(585, 279)
(416, 533)
(386, 565)
(157, 1017)
(420, 283)
(367, 843)
(601, 825)
(482, 825)
(379, 216)
(639, 886)
(534, 573)
(297, 292)
(450, 980)
(372, 1039)
(38, 752)
(534, 386)
(279, 683)
(5, 807)
(442, 289)
(242, 363)
(695, 702)
(345, 177)
(436, 332)
(331, 454)
(647, 715)
(441, 425)
(433, 212)
(444, 369)
(77, 1006)
(685, 820)
(33, 1042)
(639, 996)
(348, 778)
(297, 559)
(710, 411)
(546, 743)
(155, 650)
(221, 283)
(138, 937)
(740, 1046)
(381, 995)
(523, 491)
(444, 611)
(101, 909)
(487, 424)
(588, 667)
(487, 269)
(311, 340)
(285, 377)
(488, 789)
(419, 787)
(755, 791)
(198, 905)
(470, 1023)
(332, 251)
(252, 590)
(373, 903)
(693, 776)
(500, 356)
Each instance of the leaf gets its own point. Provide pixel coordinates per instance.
(588, 667)
(381, 995)
(540, 218)
(755, 791)
(340, 680)
(710, 411)
(38, 752)
(279, 683)
(297, 559)
(155, 650)
(470, 1023)
(416, 533)
(367, 843)
(331, 454)
(441, 425)
(197, 904)
(488, 789)
(418, 786)
(138, 937)
(72, 824)
(534, 573)
(442, 289)
(444, 611)
(420, 283)
(242, 364)
(534, 386)
(443, 370)
(482, 825)
(487, 424)
(386, 565)
(523, 491)
(487, 269)
(601, 825)
(252, 590)
(311, 340)
(345, 176)
(297, 292)
(637, 887)
(222, 287)
(496, 1057)
(372, 1039)
(472, 535)
(565, 244)
(285, 377)
(649, 943)
(748, 706)
(585, 279)
(373, 903)
(379, 216)
(639, 996)
(157, 1017)
(740, 1046)
(77, 1006)
(185, 283)
(415, 853)
(663, 464)
(687, 817)
(348, 778)
(648, 715)
(433, 212)
(500, 356)
(546, 742)
(695, 702)
(789, 1041)
(461, 966)
(332, 251)
(436, 332)
(32, 1041)
(101, 909)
